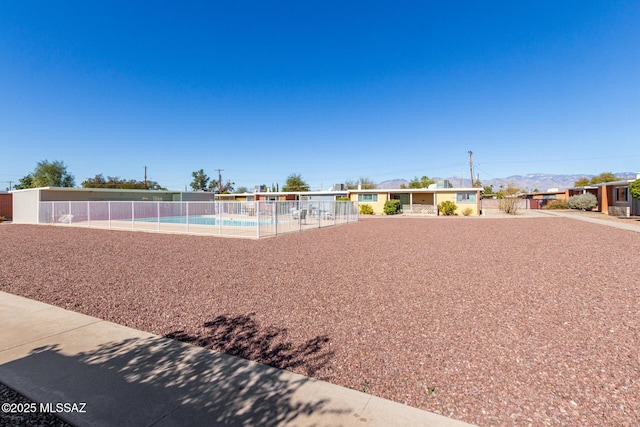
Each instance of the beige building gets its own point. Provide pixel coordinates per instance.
(423, 201)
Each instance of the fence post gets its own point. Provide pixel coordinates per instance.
(216, 206)
(133, 215)
(258, 218)
(158, 212)
(109, 210)
(187, 210)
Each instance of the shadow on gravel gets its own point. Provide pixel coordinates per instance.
(144, 381)
(242, 336)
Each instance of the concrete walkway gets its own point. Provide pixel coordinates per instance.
(631, 225)
(120, 376)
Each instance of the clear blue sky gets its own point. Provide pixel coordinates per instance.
(333, 90)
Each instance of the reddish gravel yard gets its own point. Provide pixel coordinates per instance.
(527, 321)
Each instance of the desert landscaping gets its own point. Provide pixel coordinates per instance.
(526, 321)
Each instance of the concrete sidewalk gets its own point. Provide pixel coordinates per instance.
(631, 225)
(113, 375)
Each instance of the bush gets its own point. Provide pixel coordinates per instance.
(509, 205)
(467, 211)
(586, 201)
(392, 207)
(2, 218)
(556, 204)
(634, 189)
(366, 210)
(447, 208)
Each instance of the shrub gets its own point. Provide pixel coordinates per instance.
(556, 204)
(634, 189)
(509, 205)
(467, 211)
(447, 207)
(586, 201)
(2, 218)
(366, 210)
(392, 207)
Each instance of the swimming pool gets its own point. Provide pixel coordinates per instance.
(207, 220)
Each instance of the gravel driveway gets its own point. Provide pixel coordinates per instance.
(530, 321)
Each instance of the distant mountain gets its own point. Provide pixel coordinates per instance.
(529, 182)
(392, 183)
(544, 182)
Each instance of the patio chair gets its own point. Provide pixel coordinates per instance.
(65, 219)
(301, 215)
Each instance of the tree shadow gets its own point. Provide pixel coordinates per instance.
(243, 337)
(157, 381)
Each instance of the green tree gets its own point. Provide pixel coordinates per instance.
(295, 182)
(634, 189)
(48, 174)
(96, 182)
(422, 182)
(99, 181)
(25, 182)
(200, 180)
(511, 190)
(363, 182)
(582, 182)
(487, 191)
(241, 190)
(225, 188)
(603, 177)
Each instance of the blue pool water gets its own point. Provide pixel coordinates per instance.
(207, 220)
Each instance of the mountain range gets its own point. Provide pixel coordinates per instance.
(529, 182)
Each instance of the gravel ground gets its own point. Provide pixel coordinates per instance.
(532, 321)
(31, 419)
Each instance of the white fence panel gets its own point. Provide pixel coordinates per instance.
(229, 218)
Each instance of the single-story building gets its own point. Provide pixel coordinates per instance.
(539, 199)
(322, 195)
(6, 205)
(26, 203)
(422, 201)
(614, 198)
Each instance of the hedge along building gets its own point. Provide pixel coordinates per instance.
(420, 201)
(26, 203)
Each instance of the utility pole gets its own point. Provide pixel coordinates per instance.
(219, 180)
(145, 177)
(471, 166)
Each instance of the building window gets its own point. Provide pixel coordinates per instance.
(466, 197)
(622, 194)
(368, 198)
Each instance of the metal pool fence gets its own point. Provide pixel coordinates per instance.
(220, 218)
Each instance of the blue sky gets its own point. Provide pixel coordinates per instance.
(332, 90)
